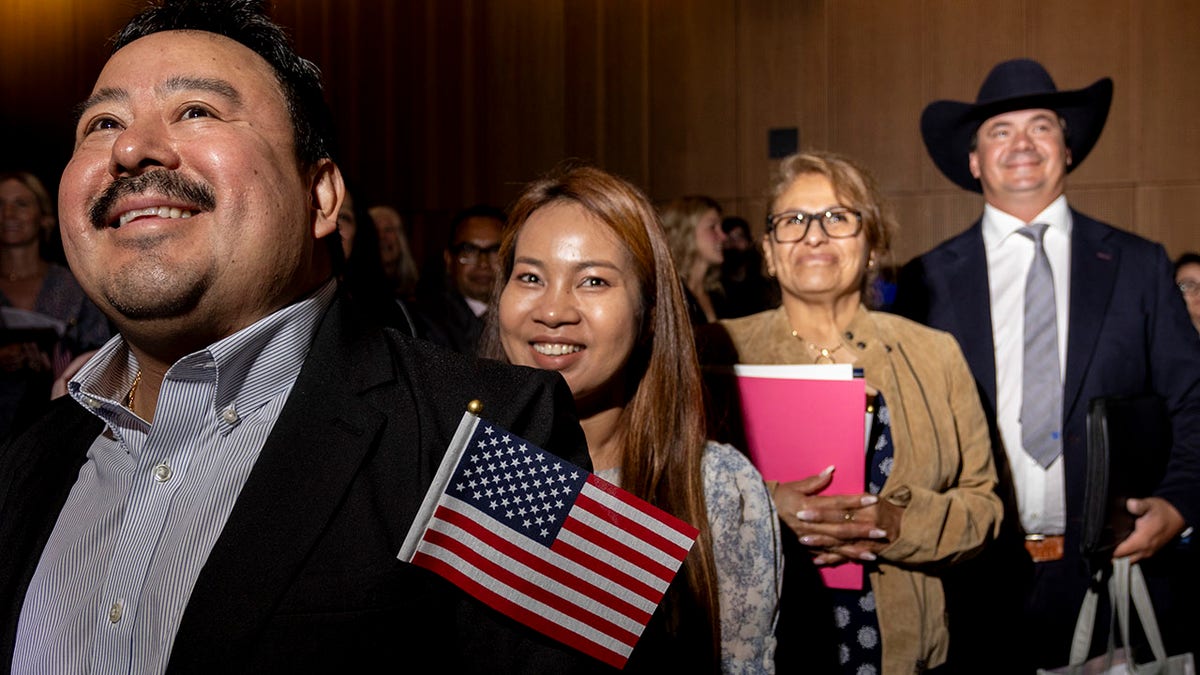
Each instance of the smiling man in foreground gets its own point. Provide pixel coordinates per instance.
(229, 481)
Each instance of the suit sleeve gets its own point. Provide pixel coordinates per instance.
(1174, 353)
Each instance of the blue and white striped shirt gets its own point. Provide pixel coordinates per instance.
(151, 500)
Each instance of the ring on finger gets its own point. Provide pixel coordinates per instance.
(848, 516)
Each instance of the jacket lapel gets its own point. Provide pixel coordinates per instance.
(965, 285)
(325, 432)
(1094, 265)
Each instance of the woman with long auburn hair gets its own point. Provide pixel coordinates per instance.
(590, 291)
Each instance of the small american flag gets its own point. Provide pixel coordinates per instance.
(546, 542)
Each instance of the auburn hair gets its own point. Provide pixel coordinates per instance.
(663, 421)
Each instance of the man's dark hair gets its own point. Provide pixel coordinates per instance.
(248, 23)
(477, 211)
(1188, 258)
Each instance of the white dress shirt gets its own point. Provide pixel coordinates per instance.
(1041, 499)
(151, 500)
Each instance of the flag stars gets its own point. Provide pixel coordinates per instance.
(488, 431)
(495, 441)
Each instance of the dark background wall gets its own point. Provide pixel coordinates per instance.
(444, 103)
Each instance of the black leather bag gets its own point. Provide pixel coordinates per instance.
(1128, 444)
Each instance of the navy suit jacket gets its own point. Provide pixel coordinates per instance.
(1128, 333)
(304, 577)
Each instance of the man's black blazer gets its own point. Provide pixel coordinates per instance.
(304, 577)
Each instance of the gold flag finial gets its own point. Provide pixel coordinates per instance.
(475, 406)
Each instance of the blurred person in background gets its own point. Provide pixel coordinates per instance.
(693, 227)
(745, 289)
(455, 313)
(399, 267)
(1187, 275)
(45, 317)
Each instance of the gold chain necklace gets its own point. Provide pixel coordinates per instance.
(821, 352)
(132, 395)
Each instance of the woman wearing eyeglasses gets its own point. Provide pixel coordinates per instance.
(928, 496)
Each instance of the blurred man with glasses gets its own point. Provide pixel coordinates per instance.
(1187, 276)
(456, 315)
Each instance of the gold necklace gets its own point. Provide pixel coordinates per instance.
(132, 395)
(821, 352)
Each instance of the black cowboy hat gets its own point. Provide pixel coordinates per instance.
(1020, 84)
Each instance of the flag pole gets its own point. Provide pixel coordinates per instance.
(466, 427)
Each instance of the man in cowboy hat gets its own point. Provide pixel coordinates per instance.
(1052, 310)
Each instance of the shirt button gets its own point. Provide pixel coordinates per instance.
(230, 416)
(114, 612)
(162, 472)
(92, 403)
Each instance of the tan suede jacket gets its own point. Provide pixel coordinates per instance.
(942, 472)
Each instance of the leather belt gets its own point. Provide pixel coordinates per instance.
(1044, 547)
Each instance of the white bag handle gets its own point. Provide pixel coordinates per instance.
(1125, 583)
(1128, 582)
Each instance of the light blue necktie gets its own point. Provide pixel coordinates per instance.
(1041, 388)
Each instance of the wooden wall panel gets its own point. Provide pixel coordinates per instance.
(521, 109)
(1113, 205)
(693, 117)
(607, 80)
(781, 82)
(875, 87)
(1170, 215)
(954, 69)
(443, 103)
(1168, 90)
(1076, 63)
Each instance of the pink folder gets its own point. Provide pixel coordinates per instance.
(799, 420)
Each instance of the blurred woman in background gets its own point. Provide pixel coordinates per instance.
(693, 227)
(46, 318)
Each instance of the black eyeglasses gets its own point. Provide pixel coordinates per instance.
(836, 223)
(470, 254)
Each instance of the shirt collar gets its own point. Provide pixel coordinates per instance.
(251, 366)
(998, 226)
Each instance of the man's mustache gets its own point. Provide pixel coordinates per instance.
(160, 182)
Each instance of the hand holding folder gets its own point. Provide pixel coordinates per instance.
(800, 419)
